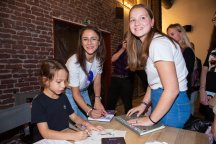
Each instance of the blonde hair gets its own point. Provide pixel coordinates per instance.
(184, 39)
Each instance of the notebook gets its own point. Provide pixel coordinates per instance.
(107, 118)
(113, 140)
(140, 130)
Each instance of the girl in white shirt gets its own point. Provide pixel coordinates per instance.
(165, 68)
(85, 67)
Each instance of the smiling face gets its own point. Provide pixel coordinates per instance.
(140, 23)
(56, 85)
(173, 33)
(90, 42)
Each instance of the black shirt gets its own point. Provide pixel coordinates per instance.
(189, 58)
(53, 111)
(210, 62)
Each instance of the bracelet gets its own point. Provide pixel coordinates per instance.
(98, 97)
(152, 120)
(201, 87)
(145, 103)
(88, 112)
(82, 122)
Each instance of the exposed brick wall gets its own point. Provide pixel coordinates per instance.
(26, 37)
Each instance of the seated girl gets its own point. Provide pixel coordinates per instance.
(51, 109)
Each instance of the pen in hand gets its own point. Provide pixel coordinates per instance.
(80, 129)
(91, 107)
(77, 127)
(102, 113)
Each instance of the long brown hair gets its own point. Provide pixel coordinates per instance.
(137, 51)
(100, 52)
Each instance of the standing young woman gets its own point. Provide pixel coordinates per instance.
(165, 67)
(85, 67)
(177, 32)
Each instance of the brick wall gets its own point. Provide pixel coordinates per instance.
(26, 37)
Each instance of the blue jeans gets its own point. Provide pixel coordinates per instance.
(78, 110)
(180, 111)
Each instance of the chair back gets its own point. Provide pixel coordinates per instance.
(15, 116)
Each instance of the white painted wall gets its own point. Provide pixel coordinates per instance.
(197, 13)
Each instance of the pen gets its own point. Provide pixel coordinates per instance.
(103, 114)
(80, 129)
(91, 107)
(77, 127)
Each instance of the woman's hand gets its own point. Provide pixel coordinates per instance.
(203, 97)
(212, 101)
(145, 121)
(95, 114)
(98, 106)
(140, 109)
(124, 45)
(91, 127)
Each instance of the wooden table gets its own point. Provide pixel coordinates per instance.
(168, 134)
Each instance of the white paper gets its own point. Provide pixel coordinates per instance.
(50, 141)
(107, 118)
(95, 137)
(156, 142)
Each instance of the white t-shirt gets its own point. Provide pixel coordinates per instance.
(162, 49)
(77, 77)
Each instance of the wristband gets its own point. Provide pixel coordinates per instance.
(88, 112)
(201, 87)
(152, 120)
(83, 122)
(145, 103)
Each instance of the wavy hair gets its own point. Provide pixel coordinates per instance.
(100, 52)
(184, 39)
(138, 51)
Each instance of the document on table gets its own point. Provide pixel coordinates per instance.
(51, 141)
(95, 137)
(107, 118)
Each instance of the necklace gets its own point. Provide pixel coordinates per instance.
(91, 76)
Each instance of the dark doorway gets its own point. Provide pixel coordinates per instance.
(65, 44)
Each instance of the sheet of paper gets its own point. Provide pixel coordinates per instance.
(107, 118)
(156, 142)
(95, 138)
(50, 141)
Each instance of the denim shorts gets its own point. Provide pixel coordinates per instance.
(180, 111)
(78, 110)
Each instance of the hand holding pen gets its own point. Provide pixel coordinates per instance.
(80, 134)
(96, 113)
